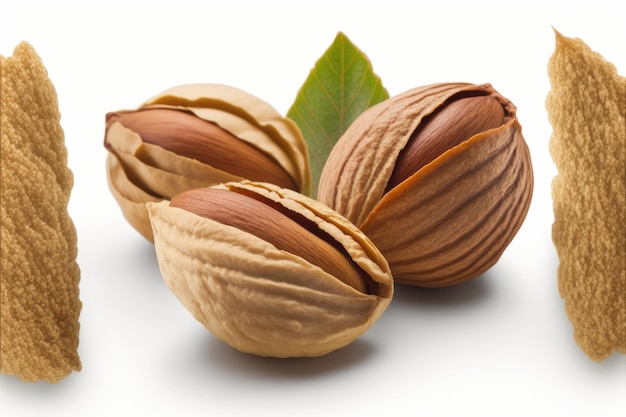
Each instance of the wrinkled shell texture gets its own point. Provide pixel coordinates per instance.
(262, 300)
(140, 172)
(587, 109)
(39, 280)
(451, 220)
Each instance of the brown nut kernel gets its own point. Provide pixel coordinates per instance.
(268, 270)
(441, 207)
(278, 228)
(194, 136)
(447, 127)
(187, 135)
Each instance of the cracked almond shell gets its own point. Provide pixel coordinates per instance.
(139, 172)
(452, 219)
(262, 300)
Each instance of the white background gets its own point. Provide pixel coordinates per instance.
(500, 345)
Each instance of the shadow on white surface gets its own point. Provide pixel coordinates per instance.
(14, 387)
(142, 258)
(206, 354)
(210, 356)
(472, 292)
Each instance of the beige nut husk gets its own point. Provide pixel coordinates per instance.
(139, 172)
(452, 219)
(40, 303)
(586, 106)
(262, 300)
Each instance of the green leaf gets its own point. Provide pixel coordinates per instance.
(341, 85)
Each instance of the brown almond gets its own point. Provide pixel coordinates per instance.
(446, 128)
(187, 135)
(273, 223)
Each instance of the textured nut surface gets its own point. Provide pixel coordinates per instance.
(187, 135)
(444, 129)
(452, 219)
(587, 109)
(141, 171)
(274, 224)
(39, 279)
(258, 298)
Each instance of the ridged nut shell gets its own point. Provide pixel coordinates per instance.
(452, 219)
(262, 300)
(139, 172)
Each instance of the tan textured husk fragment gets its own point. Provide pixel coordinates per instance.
(587, 109)
(262, 300)
(450, 221)
(39, 281)
(139, 172)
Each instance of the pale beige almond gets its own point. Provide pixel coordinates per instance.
(162, 173)
(263, 300)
